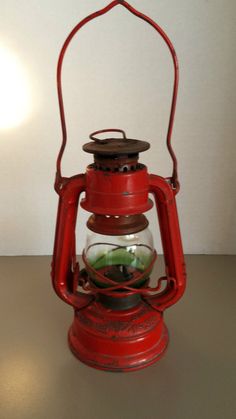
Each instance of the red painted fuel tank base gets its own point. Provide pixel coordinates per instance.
(126, 340)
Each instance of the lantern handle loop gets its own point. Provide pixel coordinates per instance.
(93, 136)
(174, 177)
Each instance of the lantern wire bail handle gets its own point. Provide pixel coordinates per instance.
(174, 177)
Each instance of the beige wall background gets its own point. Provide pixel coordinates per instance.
(118, 73)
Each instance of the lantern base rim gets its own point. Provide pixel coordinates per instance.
(133, 349)
(103, 367)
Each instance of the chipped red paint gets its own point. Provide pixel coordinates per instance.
(118, 341)
(121, 193)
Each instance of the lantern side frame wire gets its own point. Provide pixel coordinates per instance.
(174, 178)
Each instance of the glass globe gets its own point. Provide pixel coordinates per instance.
(119, 258)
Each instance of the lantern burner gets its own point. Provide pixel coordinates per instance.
(119, 273)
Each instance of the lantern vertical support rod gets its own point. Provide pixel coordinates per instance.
(174, 178)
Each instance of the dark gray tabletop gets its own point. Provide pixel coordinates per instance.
(41, 379)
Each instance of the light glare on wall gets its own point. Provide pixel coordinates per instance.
(14, 90)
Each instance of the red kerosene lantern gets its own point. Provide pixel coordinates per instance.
(118, 323)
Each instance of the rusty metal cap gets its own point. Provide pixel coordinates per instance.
(114, 146)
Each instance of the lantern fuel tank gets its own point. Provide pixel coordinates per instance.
(118, 316)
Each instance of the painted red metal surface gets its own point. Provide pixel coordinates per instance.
(65, 269)
(117, 340)
(116, 193)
